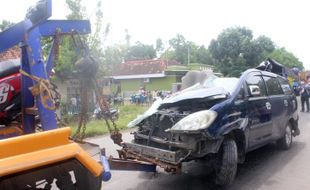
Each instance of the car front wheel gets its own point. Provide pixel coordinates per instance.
(226, 167)
(285, 142)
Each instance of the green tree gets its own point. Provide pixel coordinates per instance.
(258, 50)
(187, 52)
(68, 51)
(140, 51)
(203, 56)
(180, 47)
(235, 50)
(77, 11)
(286, 58)
(265, 44)
(5, 24)
(159, 47)
(95, 40)
(67, 54)
(114, 55)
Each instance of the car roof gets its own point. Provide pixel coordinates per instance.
(266, 73)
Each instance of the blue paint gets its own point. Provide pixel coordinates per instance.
(12, 36)
(106, 176)
(37, 68)
(27, 98)
(29, 35)
(49, 27)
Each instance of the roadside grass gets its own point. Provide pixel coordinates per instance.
(98, 127)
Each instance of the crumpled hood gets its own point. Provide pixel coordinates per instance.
(194, 92)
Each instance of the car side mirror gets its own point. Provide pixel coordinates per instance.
(254, 90)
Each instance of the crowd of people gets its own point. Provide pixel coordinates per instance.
(148, 97)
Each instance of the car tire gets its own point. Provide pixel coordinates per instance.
(227, 161)
(285, 142)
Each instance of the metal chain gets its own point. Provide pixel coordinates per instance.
(115, 135)
(80, 133)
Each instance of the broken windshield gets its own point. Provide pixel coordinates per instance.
(228, 84)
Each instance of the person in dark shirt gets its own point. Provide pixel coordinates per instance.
(296, 87)
(304, 95)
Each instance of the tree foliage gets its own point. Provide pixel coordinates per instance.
(5, 24)
(203, 56)
(114, 55)
(77, 11)
(180, 47)
(95, 40)
(140, 51)
(286, 58)
(68, 54)
(185, 51)
(159, 46)
(120, 52)
(235, 50)
(68, 50)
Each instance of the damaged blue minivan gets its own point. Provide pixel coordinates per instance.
(217, 120)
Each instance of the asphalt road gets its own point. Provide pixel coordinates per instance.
(267, 168)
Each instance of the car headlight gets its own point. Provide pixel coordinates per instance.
(194, 122)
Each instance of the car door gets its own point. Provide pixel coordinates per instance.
(279, 105)
(289, 95)
(280, 97)
(259, 111)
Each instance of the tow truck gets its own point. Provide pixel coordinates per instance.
(50, 158)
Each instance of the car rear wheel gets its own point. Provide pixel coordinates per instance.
(285, 142)
(226, 167)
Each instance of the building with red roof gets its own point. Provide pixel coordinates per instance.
(148, 74)
(12, 53)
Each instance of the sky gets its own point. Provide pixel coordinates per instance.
(200, 21)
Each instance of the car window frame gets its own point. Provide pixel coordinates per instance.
(287, 82)
(267, 89)
(264, 95)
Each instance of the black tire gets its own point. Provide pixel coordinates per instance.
(226, 167)
(285, 142)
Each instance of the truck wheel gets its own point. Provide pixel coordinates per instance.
(285, 142)
(226, 167)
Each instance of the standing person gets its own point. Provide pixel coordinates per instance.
(295, 87)
(304, 95)
(74, 105)
(150, 97)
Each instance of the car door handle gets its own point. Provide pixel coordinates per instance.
(285, 103)
(268, 105)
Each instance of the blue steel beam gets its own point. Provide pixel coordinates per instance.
(62, 27)
(29, 35)
(14, 35)
(27, 98)
(35, 58)
(40, 12)
(49, 27)
(37, 68)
